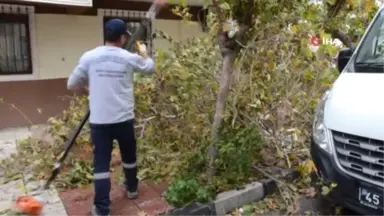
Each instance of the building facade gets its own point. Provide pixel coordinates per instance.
(40, 44)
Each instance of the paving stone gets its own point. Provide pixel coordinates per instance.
(40, 132)
(28, 177)
(5, 213)
(122, 207)
(154, 206)
(11, 190)
(46, 196)
(7, 148)
(54, 209)
(8, 139)
(146, 194)
(150, 200)
(159, 188)
(14, 133)
(33, 186)
(5, 206)
(17, 133)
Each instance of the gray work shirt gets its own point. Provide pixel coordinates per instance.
(108, 71)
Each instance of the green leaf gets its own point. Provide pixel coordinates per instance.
(206, 4)
(225, 6)
(325, 190)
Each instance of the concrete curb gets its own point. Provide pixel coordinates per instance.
(230, 200)
(227, 201)
(194, 209)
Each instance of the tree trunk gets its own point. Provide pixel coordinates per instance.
(333, 11)
(225, 80)
(343, 37)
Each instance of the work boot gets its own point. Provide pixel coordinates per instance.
(95, 212)
(132, 195)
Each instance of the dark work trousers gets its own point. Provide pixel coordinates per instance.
(102, 136)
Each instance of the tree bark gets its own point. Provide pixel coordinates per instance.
(229, 49)
(225, 82)
(332, 12)
(343, 37)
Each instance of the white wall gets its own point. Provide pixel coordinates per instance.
(177, 30)
(59, 40)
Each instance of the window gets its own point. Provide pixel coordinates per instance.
(15, 52)
(379, 42)
(132, 25)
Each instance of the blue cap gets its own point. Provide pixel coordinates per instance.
(117, 27)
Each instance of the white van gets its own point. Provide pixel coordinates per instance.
(348, 130)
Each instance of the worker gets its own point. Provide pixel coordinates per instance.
(107, 71)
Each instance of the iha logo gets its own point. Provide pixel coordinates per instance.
(317, 41)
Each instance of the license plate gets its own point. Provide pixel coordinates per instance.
(370, 198)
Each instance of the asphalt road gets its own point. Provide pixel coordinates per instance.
(316, 206)
(320, 206)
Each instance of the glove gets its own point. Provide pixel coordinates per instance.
(161, 3)
(141, 49)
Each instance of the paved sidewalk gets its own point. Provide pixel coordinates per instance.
(150, 201)
(76, 202)
(24, 185)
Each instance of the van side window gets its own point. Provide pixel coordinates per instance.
(371, 50)
(379, 46)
